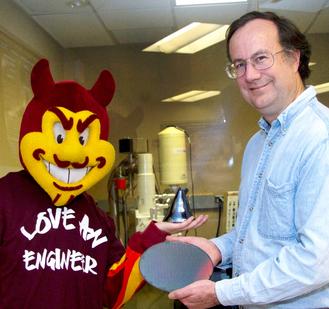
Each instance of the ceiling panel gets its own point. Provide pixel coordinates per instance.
(223, 14)
(108, 22)
(38, 7)
(137, 18)
(146, 36)
(131, 4)
(294, 5)
(321, 24)
(72, 30)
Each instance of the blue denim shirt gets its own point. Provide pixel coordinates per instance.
(279, 248)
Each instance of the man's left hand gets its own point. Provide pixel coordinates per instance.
(197, 295)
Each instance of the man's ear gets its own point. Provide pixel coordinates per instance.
(295, 59)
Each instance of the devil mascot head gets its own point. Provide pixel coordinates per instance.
(63, 137)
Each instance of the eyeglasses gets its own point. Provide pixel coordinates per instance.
(260, 61)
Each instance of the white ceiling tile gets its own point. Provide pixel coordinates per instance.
(293, 5)
(139, 21)
(75, 30)
(321, 25)
(130, 4)
(38, 7)
(130, 19)
(218, 14)
(146, 36)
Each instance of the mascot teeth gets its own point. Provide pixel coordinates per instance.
(67, 175)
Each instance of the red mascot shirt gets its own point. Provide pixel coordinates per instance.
(59, 257)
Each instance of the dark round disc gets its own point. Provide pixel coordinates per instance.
(172, 265)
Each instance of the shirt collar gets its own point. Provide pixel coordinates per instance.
(285, 118)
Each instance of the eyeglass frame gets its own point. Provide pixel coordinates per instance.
(230, 65)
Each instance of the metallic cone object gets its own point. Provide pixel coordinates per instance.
(180, 209)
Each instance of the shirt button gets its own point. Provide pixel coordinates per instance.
(241, 241)
(236, 274)
(260, 175)
(270, 144)
(251, 208)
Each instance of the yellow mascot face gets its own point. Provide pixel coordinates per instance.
(64, 146)
(67, 157)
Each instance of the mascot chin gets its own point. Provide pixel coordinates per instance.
(57, 249)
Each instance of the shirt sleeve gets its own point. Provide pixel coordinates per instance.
(225, 245)
(302, 266)
(124, 278)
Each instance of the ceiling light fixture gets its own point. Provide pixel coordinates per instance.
(190, 39)
(322, 88)
(192, 96)
(200, 2)
(74, 4)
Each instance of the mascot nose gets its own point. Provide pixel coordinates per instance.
(65, 164)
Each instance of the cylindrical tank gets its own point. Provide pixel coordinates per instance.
(145, 183)
(172, 156)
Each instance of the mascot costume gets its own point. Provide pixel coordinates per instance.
(57, 249)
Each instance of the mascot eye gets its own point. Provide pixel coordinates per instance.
(83, 138)
(59, 132)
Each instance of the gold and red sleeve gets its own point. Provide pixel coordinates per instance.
(124, 278)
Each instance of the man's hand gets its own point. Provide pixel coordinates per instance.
(190, 223)
(203, 243)
(197, 295)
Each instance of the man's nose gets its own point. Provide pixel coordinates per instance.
(251, 73)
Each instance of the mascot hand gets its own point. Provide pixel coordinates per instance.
(190, 223)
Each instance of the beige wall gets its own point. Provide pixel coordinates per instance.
(18, 25)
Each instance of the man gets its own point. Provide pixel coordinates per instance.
(279, 248)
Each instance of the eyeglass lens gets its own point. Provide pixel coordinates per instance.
(260, 61)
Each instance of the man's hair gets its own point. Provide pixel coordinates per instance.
(290, 37)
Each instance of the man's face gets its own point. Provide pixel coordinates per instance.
(271, 90)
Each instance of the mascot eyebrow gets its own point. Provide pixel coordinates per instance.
(68, 123)
(84, 124)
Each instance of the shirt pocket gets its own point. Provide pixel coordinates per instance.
(277, 211)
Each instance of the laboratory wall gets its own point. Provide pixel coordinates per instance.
(27, 33)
